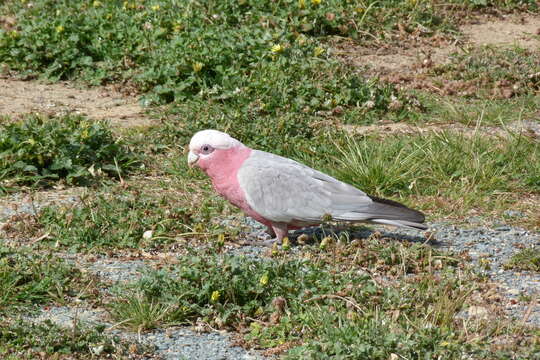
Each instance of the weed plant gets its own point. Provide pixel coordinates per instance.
(328, 304)
(105, 222)
(526, 259)
(28, 279)
(27, 340)
(39, 150)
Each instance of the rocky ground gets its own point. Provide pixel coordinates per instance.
(489, 246)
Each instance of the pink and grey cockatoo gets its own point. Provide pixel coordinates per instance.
(284, 194)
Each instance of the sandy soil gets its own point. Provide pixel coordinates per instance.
(19, 97)
(511, 30)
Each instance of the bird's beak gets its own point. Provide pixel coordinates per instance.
(192, 159)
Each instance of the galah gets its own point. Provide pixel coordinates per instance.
(284, 194)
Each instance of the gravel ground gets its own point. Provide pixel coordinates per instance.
(118, 270)
(182, 343)
(24, 204)
(172, 343)
(489, 248)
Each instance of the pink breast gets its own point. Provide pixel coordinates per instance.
(223, 170)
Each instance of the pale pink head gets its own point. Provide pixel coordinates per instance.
(211, 149)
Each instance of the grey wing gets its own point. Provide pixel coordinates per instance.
(283, 190)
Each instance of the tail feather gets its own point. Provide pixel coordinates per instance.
(391, 212)
(384, 211)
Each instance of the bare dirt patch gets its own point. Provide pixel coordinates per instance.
(462, 67)
(524, 128)
(31, 202)
(19, 97)
(521, 30)
(514, 30)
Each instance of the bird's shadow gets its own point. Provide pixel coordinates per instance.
(315, 234)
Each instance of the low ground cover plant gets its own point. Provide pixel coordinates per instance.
(27, 280)
(39, 150)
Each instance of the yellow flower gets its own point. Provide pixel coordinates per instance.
(178, 27)
(197, 66)
(59, 29)
(318, 51)
(301, 39)
(128, 5)
(96, 3)
(221, 240)
(263, 280)
(359, 10)
(259, 311)
(286, 245)
(315, 2)
(277, 48)
(301, 4)
(325, 242)
(155, 7)
(215, 296)
(274, 249)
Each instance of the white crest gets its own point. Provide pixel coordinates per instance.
(214, 138)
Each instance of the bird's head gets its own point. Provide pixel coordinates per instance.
(210, 147)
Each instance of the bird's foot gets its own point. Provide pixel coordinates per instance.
(270, 231)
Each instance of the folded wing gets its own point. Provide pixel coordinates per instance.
(283, 190)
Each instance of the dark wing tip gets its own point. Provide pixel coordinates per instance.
(409, 214)
(387, 202)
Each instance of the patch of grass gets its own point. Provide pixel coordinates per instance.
(153, 42)
(526, 259)
(220, 67)
(119, 219)
(28, 279)
(328, 304)
(490, 72)
(140, 313)
(226, 290)
(39, 150)
(22, 340)
(179, 50)
(289, 133)
(473, 168)
(473, 112)
(176, 50)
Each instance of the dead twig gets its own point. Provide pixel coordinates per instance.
(333, 296)
(527, 312)
(42, 237)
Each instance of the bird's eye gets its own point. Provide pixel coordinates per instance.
(206, 149)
